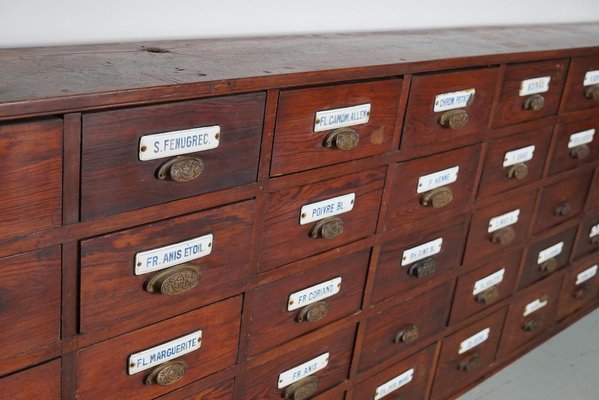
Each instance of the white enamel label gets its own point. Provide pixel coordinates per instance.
(160, 145)
(591, 78)
(534, 306)
(437, 179)
(518, 156)
(174, 254)
(594, 231)
(474, 340)
(550, 252)
(580, 138)
(586, 274)
(165, 352)
(327, 208)
(394, 384)
(534, 85)
(453, 100)
(341, 117)
(419, 252)
(501, 221)
(301, 371)
(313, 294)
(489, 281)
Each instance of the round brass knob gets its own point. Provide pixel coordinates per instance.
(549, 266)
(454, 119)
(470, 363)
(580, 152)
(579, 292)
(488, 296)
(437, 198)
(328, 228)
(422, 268)
(407, 334)
(563, 209)
(534, 102)
(531, 324)
(517, 171)
(167, 374)
(181, 169)
(503, 236)
(592, 92)
(594, 240)
(302, 389)
(342, 139)
(175, 280)
(313, 312)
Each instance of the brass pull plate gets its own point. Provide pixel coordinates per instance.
(454, 119)
(302, 389)
(167, 374)
(470, 363)
(342, 139)
(423, 267)
(488, 296)
(437, 198)
(503, 236)
(517, 171)
(592, 92)
(181, 169)
(563, 209)
(313, 312)
(532, 324)
(536, 102)
(407, 334)
(580, 152)
(328, 228)
(175, 280)
(549, 266)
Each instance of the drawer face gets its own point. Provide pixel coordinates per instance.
(31, 184)
(223, 391)
(330, 203)
(479, 289)
(500, 227)
(514, 161)
(580, 288)
(39, 383)
(466, 354)
(593, 200)
(307, 300)
(407, 379)
(588, 238)
(429, 186)
(440, 103)
(29, 281)
(273, 373)
(393, 331)
(111, 293)
(577, 143)
(530, 91)
(115, 180)
(103, 368)
(561, 201)
(319, 126)
(583, 79)
(445, 246)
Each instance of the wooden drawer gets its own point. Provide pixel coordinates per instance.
(500, 227)
(221, 391)
(593, 198)
(31, 184)
(588, 236)
(532, 311)
(479, 289)
(580, 288)
(327, 125)
(324, 360)
(512, 161)
(525, 93)
(396, 274)
(29, 301)
(39, 383)
(429, 186)
(442, 107)
(321, 293)
(113, 295)
(333, 394)
(581, 89)
(395, 330)
(577, 143)
(407, 379)
(115, 180)
(288, 235)
(103, 369)
(467, 354)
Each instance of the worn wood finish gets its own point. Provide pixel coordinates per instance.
(581, 287)
(574, 92)
(563, 159)
(587, 241)
(40, 383)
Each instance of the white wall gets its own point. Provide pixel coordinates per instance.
(54, 22)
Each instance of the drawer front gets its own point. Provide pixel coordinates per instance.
(115, 180)
(406, 380)
(582, 89)
(466, 355)
(103, 369)
(310, 364)
(444, 247)
(29, 281)
(580, 288)
(448, 105)
(499, 227)
(39, 383)
(479, 289)
(31, 184)
(332, 217)
(112, 293)
(222, 391)
(577, 143)
(327, 125)
(593, 200)
(307, 300)
(530, 91)
(395, 330)
(429, 186)
(588, 236)
(514, 161)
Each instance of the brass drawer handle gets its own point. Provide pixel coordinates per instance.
(534, 102)
(470, 363)
(532, 324)
(342, 139)
(594, 240)
(167, 374)
(549, 266)
(563, 209)
(488, 296)
(328, 228)
(580, 152)
(181, 169)
(175, 280)
(302, 389)
(517, 171)
(504, 236)
(437, 198)
(454, 119)
(580, 293)
(423, 267)
(313, 312)
(407, 334)
(592, 92)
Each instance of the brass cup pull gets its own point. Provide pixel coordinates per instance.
(580, 152)
(328, 228)
(549, 266)
(422, 268)
(407, 334)
(534, 102)
(175, 280)
(594, 240)
(313, 312)
(503, 236)
(517, 171)
(342, 139)
(437, 198)
(470, 363)
(488, 296)
(167, 374)
(454, 119)
(580, 293)
(563, 209)
(531, 324)
(302, 389)
(592, 92)
(181, 169)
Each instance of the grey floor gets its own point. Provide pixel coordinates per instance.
(566, 367)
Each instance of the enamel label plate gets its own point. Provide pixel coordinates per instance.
(474, 340)
(327, 208)
(394, 384)
(313, 294)
(489, 281)
(422, 251)
(534, 85)
(174, 254)
(580, 138)
(503, 220)
(453, 100)
(550, 252)
(518, 156)
(301, 371)
(586, 274)
(176, 143)
(341, 117)
(437, 179)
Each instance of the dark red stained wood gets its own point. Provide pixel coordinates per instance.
(562, 160)
(584, 243)
(223, 391)
(574, 98)
(593, 197)
(297, 147)
(575, 296)
(115, 180)
(39, 383)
